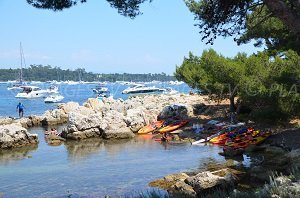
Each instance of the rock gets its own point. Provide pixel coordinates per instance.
(94, 103)
(176, 177)
(199, 108)
(206, 182)
(69, 107)
(6, 120)
(294, 157)
(181, 189)
(171, 111)
(283, 181)
(231, 152)
(36, 120)
(121, 133)
(259, 173)
(88, 133)
(274, 150)
(135, 119)
(25, 122)
(54, 117)
(14, 135)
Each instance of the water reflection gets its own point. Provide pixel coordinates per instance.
(12, 155)
(78, 150)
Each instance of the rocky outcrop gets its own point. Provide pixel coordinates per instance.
(207, 182)
(14, 135)
(182, 185)
(6, 121)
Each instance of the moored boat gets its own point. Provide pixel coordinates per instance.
(54, 98)
(139, 88)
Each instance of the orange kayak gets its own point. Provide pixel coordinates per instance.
(173, 126)
(151, 127)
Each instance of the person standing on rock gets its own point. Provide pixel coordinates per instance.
(21, 108)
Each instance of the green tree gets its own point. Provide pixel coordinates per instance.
(269, 30)
(230, 17)
(268, 86)
(214, 73)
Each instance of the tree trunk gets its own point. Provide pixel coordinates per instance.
(281, 10)
(232, 106)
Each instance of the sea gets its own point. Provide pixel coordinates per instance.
(77, 93)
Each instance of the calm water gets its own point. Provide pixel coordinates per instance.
(78, 93)
(94, 168)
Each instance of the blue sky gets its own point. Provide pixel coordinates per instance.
(94, 36)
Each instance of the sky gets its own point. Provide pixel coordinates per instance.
(95, 37)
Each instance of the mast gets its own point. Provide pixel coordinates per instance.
(21, 56)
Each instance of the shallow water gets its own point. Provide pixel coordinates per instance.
(94, 167)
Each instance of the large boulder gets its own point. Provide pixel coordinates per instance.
(176, 110)
(84, 134)
(135, 119)
(54, 117)
(121, 133)
(69, 107)
(94, 103)
(206, 182)
(14, 135)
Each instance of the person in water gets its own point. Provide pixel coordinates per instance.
(21, 108)
(164, 137)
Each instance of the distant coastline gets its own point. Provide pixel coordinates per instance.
(49, 73)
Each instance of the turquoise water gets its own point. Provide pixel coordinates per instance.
(94, 168)
(78, 93)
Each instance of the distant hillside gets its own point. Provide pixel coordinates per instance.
(47, 73)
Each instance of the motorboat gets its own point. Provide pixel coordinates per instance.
(106, 94)
(139, 88)
(53, 98)
(100, 89)
(52, 90)
(31, 92)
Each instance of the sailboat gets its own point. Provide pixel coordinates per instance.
(18, 83)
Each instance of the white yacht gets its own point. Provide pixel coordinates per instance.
(31, 92)
(138, 88)
(53, 98)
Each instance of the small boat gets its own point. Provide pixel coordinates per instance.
(99, 89)
(31, 92)
(52, 90)
(151, 127)
(54, 98)
(139, 88)
(105, 94)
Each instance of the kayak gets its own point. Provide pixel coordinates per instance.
(173, 126)
(151, 127)
(248, 140)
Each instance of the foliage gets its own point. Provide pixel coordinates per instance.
(235, 17)
(269, 30)
(128, 8)
(268, 85)
(213, 73)
(47, 73)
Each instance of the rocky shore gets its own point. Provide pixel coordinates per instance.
(107, 118)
